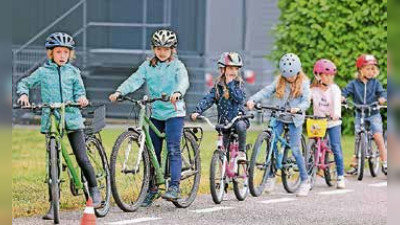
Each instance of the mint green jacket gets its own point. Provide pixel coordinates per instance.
(57, 84)
(166, 77)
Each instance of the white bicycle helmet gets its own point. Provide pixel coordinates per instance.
(164, 38)
(60, 39)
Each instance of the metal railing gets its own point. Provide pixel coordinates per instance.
(27, 58)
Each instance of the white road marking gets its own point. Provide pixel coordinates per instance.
(278, 200)
(382, 184)
(207, 210)
(336, 192)
(139, 220)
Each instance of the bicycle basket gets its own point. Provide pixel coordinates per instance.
(95, 120)
(316, 127)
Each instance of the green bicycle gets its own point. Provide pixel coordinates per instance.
(133, 155)
(95, 152)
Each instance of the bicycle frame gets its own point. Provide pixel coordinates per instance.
(144, 127)
(319, 154)
(229, 168)
(276, 138)
(57, 132)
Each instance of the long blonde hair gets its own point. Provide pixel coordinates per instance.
(295, 87)
(221, 79)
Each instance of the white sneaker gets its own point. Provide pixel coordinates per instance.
(340, 183)
(304, 188)
(270, 185)
(241, 157)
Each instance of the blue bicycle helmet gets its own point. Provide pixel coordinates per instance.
(60, 39)
(289, 65)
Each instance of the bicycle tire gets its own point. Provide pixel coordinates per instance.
(54, 179)
(217, 178)
(330, 173)
(361, 155)
(374, 158)
(311, 157)
(290, 168)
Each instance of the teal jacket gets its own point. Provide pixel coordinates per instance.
(302, 102)
(166, 77)
(57, 84)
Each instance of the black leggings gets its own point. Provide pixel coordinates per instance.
(77, 141)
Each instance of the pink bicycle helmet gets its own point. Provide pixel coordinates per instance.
(325, 66)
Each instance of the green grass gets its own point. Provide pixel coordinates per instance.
(29, 191)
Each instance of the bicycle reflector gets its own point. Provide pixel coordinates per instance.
(316, 128)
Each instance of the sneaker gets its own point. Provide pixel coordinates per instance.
(340, 183)
(304, 188)
(50, 214)
(270, 185)
(96, 197)
(150, 198)
(385, 168)
(352, 171)
(172, 194)
(241, 157)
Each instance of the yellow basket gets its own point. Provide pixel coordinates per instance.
(316, 128)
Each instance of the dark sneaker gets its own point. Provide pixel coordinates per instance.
(96, 197)
(50, 214)
(150, 198)
(352, 171)
(172, 194)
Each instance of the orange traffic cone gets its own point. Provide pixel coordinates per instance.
(88, 218)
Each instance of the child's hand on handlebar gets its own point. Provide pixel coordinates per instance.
(250, 104)
(83, 101)
(194, 116)
(381, 101)
(24, 100)
(294, 110)
(114, 97)
(175, 97)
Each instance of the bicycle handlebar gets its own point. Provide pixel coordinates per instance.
(50, 106)
(329, 118)
(146, 100)
(373, 106)
(229, 125)
(258, 106)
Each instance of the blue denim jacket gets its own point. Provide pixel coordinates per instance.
(227, 108)
(302, 102)
(365, 93)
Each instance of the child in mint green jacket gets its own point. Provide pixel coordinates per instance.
(61, 82)
(164, 73)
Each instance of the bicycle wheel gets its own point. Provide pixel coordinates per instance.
(130, 171)
(361, 148)
(98, 159)
(191, 171)
(310, 159)
(241, 182)
(374, 157)
(259, 168)
(290, 170)
(330, 172)
(217, 176)
(54, 179)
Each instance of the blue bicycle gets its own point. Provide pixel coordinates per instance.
(267, 160)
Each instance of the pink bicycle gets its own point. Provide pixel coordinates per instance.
(319, 156)
(225, 168)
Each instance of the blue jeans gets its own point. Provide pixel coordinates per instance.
(295, 143)
(173, 129)
(334, 134)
